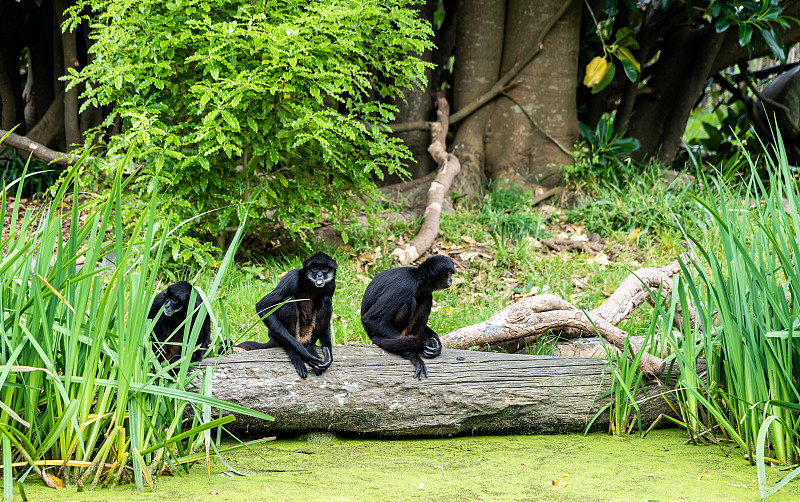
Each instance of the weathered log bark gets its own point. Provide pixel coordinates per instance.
(538, 315)
(448, 170)
(368, 390)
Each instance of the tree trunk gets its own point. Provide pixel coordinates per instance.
(542, 104)
(368, 390)
(70, 53)
(479, 44)
(40, 61)
(417, 104)
(8, 102)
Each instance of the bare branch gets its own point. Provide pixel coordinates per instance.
(37, 149)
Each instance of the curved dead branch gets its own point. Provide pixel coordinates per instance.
(449, 167)
(532, 317)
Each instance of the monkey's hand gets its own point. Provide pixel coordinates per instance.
(300, 367)
(432, 348)
(311, 358)
(320, 368)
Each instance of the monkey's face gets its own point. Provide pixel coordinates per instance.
(320, 275)
(444, 280)
(172, 306)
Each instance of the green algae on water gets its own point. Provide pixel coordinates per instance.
(568, 468)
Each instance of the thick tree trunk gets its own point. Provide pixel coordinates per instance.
(542, 108)
(40, 61)
(70, 54)
(8, 102)
(12, 19)
(417, 105)
(479, 44)
(368, 390)
(689, 92)
(50, 124)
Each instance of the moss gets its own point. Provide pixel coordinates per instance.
(592, 468)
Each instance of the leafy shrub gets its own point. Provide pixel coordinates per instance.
(602, 156)
(265, 108)
(718, 138)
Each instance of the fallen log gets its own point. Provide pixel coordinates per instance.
(368, 390)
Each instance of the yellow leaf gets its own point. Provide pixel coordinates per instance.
(595, 71)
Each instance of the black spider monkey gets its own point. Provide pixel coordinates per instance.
(297, 325)
(396, 307)
(168, 330)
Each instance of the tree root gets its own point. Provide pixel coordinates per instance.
(38, 149)
(530, 318)
(449, 167)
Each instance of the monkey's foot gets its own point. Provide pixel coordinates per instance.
(421, 370)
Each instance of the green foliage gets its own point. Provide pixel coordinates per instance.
(719, 136)
(40, 175)
(748, 17)
(602, 156)
(270, 103)
(80, 388)
(507, 213)
(626, 380)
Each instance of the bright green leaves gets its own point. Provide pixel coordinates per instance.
(762, 17)
(241, 102)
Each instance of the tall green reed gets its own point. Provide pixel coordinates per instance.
(745, 291)
(83, 399)
(626, 381)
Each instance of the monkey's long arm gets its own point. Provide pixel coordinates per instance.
(278, 331)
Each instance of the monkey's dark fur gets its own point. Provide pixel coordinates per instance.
(296, 326)
(396, 307)
(168, 332)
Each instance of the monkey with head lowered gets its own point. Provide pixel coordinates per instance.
(396, 307)
(170, 331)
(297, 325)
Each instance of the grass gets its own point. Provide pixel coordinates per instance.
(644, 206)
(82, 397)
(745, 288)
(490, 272)
(79, 333)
